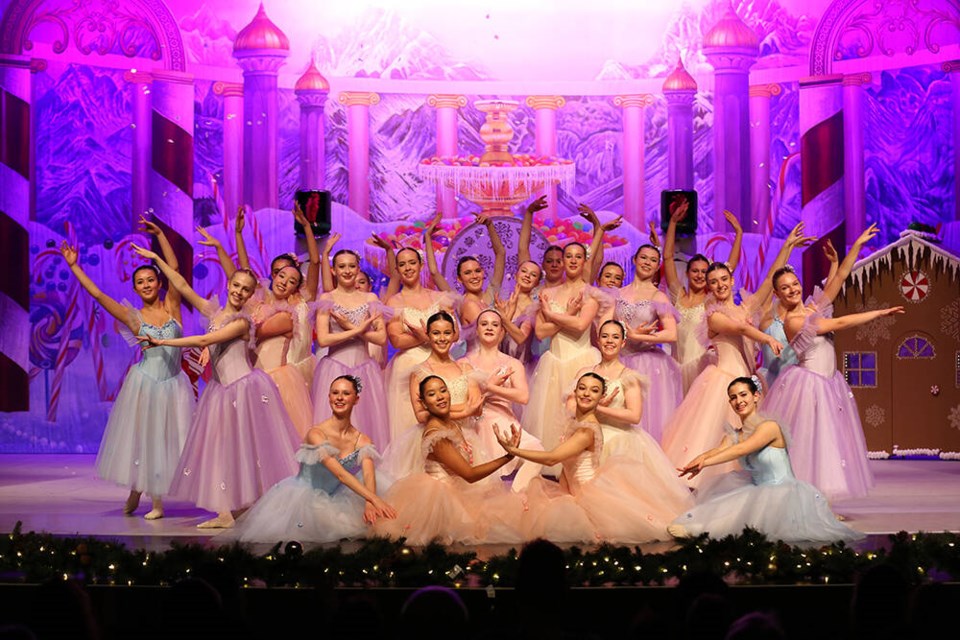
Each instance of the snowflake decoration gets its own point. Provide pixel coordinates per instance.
(955, 418)
(950, 320)
(878, 329)
(875, 415)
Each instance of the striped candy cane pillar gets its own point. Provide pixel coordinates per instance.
(171, 163)
(821, 170)
(16, 158)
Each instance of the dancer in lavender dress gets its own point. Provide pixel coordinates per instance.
(650, 321)
(766, 496)
(241, 441)
(147, 427)
(828, 448)
(347, 321)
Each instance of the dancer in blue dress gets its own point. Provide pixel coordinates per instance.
(148, 423)
(766, 496)
(334, 495)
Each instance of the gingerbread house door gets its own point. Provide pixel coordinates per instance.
(917, 420)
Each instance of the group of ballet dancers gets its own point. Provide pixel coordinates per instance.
(584, 409)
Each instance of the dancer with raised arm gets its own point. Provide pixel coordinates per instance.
(447, 500)
(241, 441)
(618, 501)
(144, 436)
(689, 300)
(313, 506)
(765, 496)
(699, 420)
(828, 448)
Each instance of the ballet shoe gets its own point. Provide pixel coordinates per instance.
(220, 522)
(131, 504)
(678, 531)
(153, 514)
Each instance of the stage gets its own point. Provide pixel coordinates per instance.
(61, 495)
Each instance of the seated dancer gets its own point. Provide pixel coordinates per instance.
(334, 495)
(446, 501)
(766, 496)
(828, 448)
(689, 300)
(144, 436)
(618, 501)
(241, 441)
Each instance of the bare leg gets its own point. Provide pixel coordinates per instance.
(222, 521)
(133, 501)
(157, 511)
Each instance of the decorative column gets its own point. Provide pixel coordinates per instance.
(680, 90)
(17, 157)
(448, 134)
(760, 156)
(260, 49)
(171, 162)
(545, 110)
(633, 156)
(140, 84)
(821, 170)
(358, 105)
(312, 90)
(232, 93)
(731, 47)
(953, 68)
(854, 193)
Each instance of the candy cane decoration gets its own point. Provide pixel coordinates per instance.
(61, 367)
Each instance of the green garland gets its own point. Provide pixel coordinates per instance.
(745, 559)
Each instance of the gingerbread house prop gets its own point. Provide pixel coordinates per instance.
(904, 370)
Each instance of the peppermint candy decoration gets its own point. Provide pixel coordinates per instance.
(914, 286)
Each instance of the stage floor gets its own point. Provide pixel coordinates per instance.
(60, 494)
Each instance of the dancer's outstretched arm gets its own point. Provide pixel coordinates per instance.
(176, 280)
(765, 434)
(579, 441)
(734, 258)
(111, 306)
(449, 456)
(242, 256)
(670, 247)
(313, 269)
(438, 279)
(366, 489)
(226, 262)
(832, 288)
(526, 229)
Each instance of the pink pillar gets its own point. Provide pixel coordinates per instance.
(760, 155)
(854, 192)
(633, 156)
(358, 105)
(17, 185)
(821, 169)
(680, 138)
(140, 84)
(171, 161)
(953, 68)
(260, 111)
(545, 108)
(313, 162)
(232, 93)
(448, 132)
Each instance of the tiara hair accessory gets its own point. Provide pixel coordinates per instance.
(756, 382)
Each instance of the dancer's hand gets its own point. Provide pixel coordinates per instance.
(607, 399)
(204, 358)
(499, 377)
(732, 219)
(890, 312)
(418, 330)
(241, 217)
(693, 468)
(678, 208)
(376, 509)
(69, 253)
(149, 341)
(149, 227)
(143, 252)
(574, 304)
(774, 345)
(830, 252)
(432, 225)
(474, 404)
(588, 214)
(868, 234)
(797, 239)
(537, 205)
(654, 236)
(635, 334)
(509, 440)
(299, 216)
(328, 243)
(208, 240)
(482, 219)
(375, 239)
(613, 224)
(342, 320)
(507, 308)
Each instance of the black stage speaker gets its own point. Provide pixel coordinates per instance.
(316, 207)
(669, 201)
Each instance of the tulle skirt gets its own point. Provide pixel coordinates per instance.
(792, 511)
(827, 446)
(145, 433)
(295, 395)
(665, 391)
(399, 407)
(240, 444)
(698, 423)
(450, 510)
(487, 447)
(370, 415)
(546, 416)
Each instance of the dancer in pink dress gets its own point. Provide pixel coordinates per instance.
(148, 423)
(504, 384)
(650, 321)
(347, 321)
(690, 352)
(451, 499)
(618, 501)
(828, 449)
(698, 422)
(241, 441)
